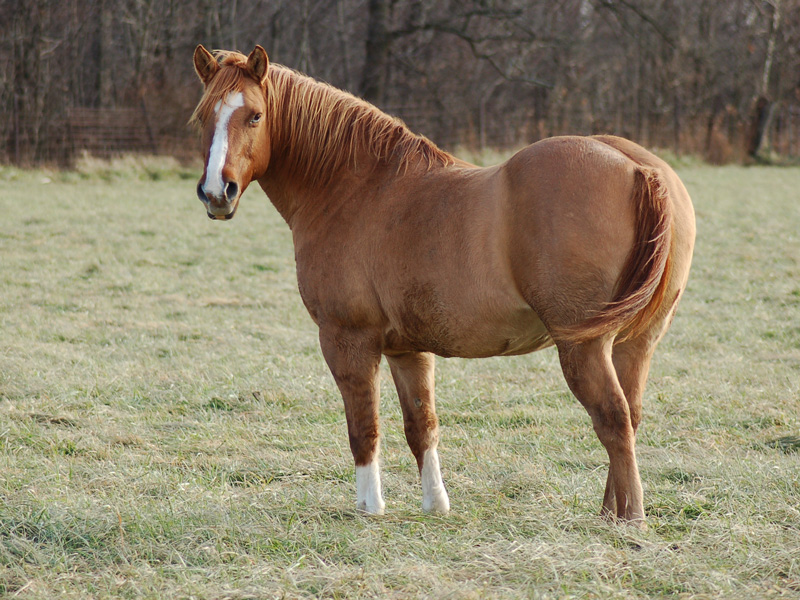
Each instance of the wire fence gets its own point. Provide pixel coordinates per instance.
(108, 132)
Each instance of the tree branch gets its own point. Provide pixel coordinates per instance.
(653, 23)
(447, 27)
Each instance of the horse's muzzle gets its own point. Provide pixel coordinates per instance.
(222, 208)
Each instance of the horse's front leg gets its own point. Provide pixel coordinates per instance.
(353, 357)
(413, 377)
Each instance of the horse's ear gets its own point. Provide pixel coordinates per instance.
(205, 64)
(257, 64)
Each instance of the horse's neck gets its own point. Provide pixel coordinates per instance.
(299, 201)
(329, 145)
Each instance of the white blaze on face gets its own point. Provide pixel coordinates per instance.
(368, 489)
(434, 496)
(214, 185)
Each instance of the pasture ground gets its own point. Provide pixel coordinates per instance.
(168, 428)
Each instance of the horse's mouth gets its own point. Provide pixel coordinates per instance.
(226, 217)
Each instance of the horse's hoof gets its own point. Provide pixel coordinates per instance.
(438, 505)
(636, 522)
(371, 510)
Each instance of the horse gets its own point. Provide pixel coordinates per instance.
(404, 251)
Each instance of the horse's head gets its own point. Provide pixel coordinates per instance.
(232, 121)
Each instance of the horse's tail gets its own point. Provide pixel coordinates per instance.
(642, 284)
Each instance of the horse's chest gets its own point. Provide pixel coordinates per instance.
(336, 291)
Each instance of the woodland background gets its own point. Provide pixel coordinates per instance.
(701, 77)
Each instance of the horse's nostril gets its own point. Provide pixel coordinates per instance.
(231, 190)
(201, 194)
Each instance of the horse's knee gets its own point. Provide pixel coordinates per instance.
(421, 427)
(363, 444)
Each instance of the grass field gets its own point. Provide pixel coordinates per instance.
(168, 428)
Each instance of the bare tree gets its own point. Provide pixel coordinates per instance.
(719, 78)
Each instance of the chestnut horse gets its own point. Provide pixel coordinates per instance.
(404, 251)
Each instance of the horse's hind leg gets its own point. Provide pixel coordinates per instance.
(632, 364)
(414, 379)
(631, 360)
(590, 374)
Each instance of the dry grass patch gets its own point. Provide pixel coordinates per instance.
(168, 427)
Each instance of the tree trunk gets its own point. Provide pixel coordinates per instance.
(763, 107)
(106, 67)
(373, 78)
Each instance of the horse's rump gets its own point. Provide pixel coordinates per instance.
(642, 284)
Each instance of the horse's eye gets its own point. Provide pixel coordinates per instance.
(256, 118)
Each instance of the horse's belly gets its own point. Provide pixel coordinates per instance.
(531, 338)
(467, 335)
(520, 333)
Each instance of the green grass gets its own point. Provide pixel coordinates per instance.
(168, 428)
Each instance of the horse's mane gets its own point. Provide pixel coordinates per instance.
(317, 128)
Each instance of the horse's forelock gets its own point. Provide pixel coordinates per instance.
(230, 78)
